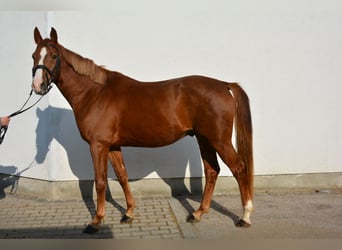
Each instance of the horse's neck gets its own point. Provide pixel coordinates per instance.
(76, 88)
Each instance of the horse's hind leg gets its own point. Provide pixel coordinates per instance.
(211, 170)
(117, 162)
(240, 172)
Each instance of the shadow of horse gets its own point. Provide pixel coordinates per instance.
(177, 160)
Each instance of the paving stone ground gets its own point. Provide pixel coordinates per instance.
(289, 215)
(25, 217)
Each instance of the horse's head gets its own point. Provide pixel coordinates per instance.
(46, 62)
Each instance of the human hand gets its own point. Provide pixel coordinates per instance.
(4, 121)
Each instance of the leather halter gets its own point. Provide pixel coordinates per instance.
(52, 73)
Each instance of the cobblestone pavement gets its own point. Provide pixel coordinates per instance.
(23, 217)
(284, 215)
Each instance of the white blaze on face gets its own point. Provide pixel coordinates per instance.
(38, 76)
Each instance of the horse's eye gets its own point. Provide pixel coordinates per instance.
(54, 56)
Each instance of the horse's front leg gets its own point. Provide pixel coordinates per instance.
(115, 157)
(99, 155)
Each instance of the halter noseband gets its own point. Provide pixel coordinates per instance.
(52, 73)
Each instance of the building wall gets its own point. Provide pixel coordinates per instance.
(286, 55)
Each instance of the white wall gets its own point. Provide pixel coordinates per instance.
(18, 150)
(286, 54)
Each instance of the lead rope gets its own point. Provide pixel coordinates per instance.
(4, 128)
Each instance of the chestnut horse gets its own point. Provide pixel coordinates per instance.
(114, 110)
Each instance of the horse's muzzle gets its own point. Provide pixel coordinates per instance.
(43, 88)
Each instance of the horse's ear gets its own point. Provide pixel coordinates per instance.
(53, 35)
(37, 37)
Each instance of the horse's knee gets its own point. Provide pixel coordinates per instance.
(100, 185)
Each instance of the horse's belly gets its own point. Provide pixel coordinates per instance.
(152, 137)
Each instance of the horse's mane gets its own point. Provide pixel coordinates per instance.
(85, 66)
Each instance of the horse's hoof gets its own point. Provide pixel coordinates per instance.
(192, 219)
(125, 219)
(242, 223)
(91, 229)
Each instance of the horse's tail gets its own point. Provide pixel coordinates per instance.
(243, 130)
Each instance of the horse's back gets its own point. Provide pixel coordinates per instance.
(189, 94)
(168, 110)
